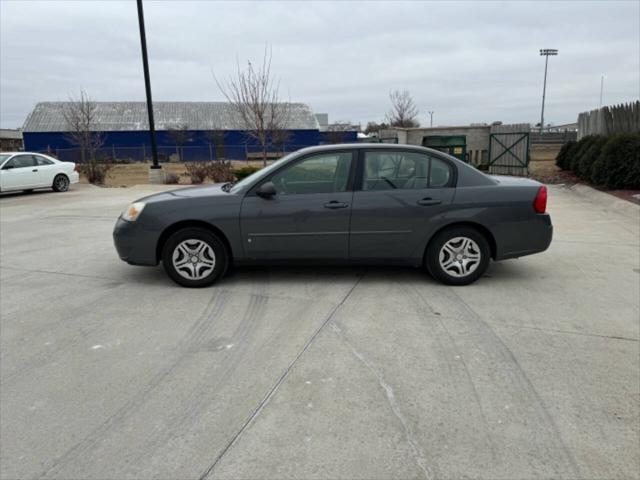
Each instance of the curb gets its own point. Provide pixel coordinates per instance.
(606, 201)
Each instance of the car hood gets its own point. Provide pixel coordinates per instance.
(188, 192)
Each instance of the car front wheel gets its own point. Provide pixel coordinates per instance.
(458, 256)
(194, 257)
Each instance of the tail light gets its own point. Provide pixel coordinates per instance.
(76, 168)
(540, 202)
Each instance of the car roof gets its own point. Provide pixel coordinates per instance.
(21, 153)
(368, 146)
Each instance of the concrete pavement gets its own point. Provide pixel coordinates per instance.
(110, 371)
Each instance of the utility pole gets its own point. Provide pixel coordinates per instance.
(154, 176)
(431, 112)
(601, 89)
(545, 52)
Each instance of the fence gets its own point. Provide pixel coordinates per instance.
(623, 118)
(509, 149)
(142, 153)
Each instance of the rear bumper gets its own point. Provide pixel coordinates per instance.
(518, 239)
(134, 244)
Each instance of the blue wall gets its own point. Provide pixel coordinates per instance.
(136, 145)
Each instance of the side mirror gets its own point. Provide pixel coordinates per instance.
(266, 190)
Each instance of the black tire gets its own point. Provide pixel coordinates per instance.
(60, 183)
(191, 238)
(455, 274)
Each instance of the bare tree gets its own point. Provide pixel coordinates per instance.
(254, 94)
(80, 115)
(403, 111)
(336, 132)
(216, 138)
(180, 135)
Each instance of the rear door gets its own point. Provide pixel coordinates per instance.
(20, 172)
(308, 218)
(399, 195)
(47, 170)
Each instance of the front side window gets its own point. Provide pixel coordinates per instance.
(322, 173)
(21, 161)
(390, 170)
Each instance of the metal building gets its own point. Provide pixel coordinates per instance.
(185, 131)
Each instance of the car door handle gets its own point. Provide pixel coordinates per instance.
(425, 202)
(335, 204)
(34, 170)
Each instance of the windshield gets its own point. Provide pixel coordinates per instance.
(263, 171)
(3, 158)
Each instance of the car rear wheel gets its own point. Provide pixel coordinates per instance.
(194, 257)
(61, 183)
(458, 256)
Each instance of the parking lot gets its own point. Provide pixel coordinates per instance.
(110, 371)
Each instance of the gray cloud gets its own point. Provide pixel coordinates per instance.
(468, 61)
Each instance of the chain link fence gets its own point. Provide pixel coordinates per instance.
(173, 154)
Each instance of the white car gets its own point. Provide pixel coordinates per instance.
(27, 171)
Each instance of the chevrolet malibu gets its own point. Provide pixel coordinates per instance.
(355, 204)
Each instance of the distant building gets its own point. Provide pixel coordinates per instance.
(10, 140)
(188, 130)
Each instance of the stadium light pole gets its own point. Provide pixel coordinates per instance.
(431, 112)
(147, 86)
(545, 52)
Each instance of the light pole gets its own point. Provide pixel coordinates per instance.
(545, 52)
(601, 89)
(153, 177)
(431, 112)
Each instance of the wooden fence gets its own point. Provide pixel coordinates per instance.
(509, 149)
(623, 118)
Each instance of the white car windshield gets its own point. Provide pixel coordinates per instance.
(3, 158)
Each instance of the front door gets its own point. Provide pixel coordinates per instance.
(308, 217)
(400, 194)
(19, 172)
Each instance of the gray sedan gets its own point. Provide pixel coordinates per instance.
(357, 204)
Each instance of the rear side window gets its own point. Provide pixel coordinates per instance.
(43, 161)
(390, 170)
(440, 174)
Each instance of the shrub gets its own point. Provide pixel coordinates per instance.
(220, 171)
(618, 165)
(216, 171)
(95, 171)
(245, 172)
(565, 154)
(197, 171)
(588, 155)
(581, 147)
(171, 178)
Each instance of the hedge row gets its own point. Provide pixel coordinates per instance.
(610, 161)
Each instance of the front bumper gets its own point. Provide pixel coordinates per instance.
(135, 244)
(74, 177)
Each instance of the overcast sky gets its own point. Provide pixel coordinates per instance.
(467, 61)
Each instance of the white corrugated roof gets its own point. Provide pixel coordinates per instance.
(127, 116)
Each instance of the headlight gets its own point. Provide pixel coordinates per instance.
(133, 211)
